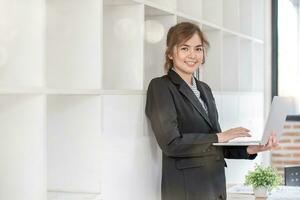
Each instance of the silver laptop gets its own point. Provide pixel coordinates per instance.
(280, 108)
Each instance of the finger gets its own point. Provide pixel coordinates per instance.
(244, 129)
(274, 146)
(265, 148)
(275, 139)
(241, 129)
(270, 140)
(270, 143)
(260, 148)
(248, 135)
(274, 142)
(243, 134)
(237, 132)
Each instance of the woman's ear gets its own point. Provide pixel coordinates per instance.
(170, 57)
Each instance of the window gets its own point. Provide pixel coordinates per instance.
(286, 66)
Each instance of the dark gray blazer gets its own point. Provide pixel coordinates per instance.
(192, 168)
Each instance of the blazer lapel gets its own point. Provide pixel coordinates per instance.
(205, 97)
(188, 93)
(210, 105)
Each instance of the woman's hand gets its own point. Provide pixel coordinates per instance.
(272, 143)
(233, 133)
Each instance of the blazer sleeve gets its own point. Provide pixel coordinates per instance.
(161, 111)
(231, 152)
(237, 152)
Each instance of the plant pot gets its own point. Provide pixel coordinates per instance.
(260, 192)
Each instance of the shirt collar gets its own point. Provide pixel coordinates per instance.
(193, 78)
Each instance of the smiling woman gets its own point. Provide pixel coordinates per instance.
(184, 119)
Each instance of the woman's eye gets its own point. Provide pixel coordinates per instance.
(199, 49)
(184, 49)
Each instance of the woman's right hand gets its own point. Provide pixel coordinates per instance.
(233, 133)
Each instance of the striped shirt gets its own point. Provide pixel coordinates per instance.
(196, 92)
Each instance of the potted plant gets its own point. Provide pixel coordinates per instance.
(263, 179)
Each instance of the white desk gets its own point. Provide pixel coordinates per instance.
(239, 192)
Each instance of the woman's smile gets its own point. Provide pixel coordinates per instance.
(190, 63)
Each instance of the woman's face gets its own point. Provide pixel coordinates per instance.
(188, 56)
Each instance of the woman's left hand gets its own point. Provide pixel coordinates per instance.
(271, 144)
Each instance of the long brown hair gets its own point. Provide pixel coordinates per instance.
(180, 33)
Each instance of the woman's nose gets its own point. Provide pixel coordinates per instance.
(192, 54)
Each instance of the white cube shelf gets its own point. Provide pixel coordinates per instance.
(72, 196)
(246, 67)
(251, 117)
(120, 2)
(122, 115)
(229, 104)
(258, 20)
(184, 18)
(123, 46)
(140, 172)
(231, 14)
(157, 23)
(230, 70)
(213, 11)
(163, 4)
(73, 41)
(22, 44)
(74, 139)
(212, 69)
(246, 17)
(23, 147)
(191, 8)
(258, 67)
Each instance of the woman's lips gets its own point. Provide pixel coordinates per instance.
(190, 63)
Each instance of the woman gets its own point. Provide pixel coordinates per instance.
(184, 118)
